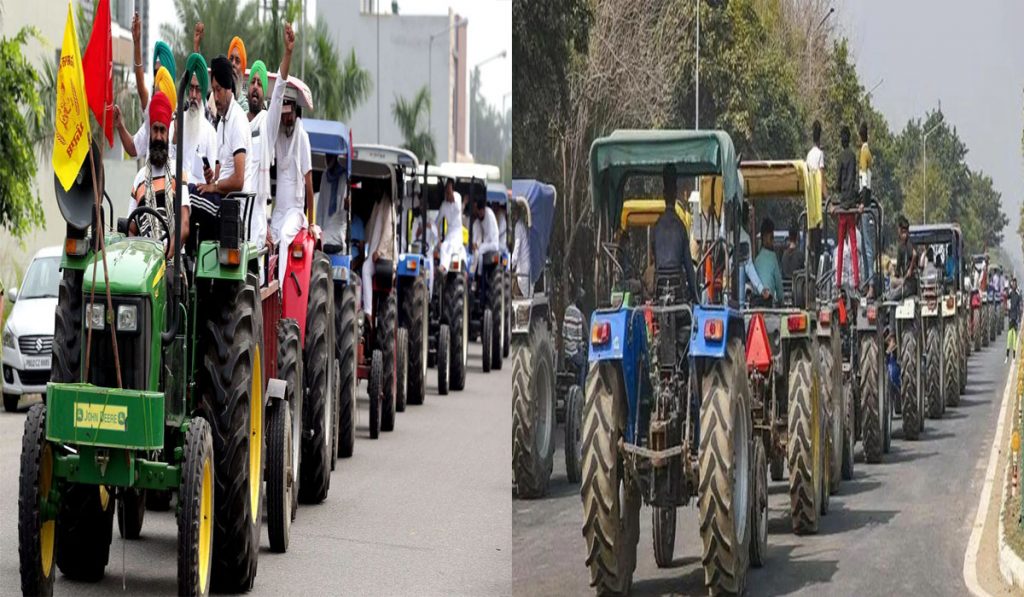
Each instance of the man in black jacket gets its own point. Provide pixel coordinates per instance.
(846, 188)
(1013, 319)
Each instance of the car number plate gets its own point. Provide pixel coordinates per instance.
(37, 363)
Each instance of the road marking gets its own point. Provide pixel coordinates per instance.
(974, 544)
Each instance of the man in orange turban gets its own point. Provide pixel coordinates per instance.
(236, 54)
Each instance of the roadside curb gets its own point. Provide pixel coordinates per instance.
(970, 569)
(1011, 566)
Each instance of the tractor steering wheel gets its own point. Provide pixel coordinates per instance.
(144, 210)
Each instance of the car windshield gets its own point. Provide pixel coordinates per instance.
(41, 279)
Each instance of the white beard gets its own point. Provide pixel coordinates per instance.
(193, 122)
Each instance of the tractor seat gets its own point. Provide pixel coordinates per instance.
(383, 274)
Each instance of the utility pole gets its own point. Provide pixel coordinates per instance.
(377, 86)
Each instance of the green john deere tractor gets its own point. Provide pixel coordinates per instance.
(157, 389)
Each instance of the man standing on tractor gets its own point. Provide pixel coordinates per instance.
(449, 220)
(233, 145)
(154, 186)
(864, 162)
(816, 157)
(485, 232)
(264, 126)
(1013, 318)
(380, 246)
(792, 256)
(767, 262)
(573, 348)
(846, 187)
(673, 266)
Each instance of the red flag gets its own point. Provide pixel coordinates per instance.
(98, 65)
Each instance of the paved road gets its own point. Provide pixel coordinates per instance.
(897, 528)
(422, 511)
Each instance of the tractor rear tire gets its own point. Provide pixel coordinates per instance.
(963, 342)
(289, 369)
(131, 511)
(195, 514)
(458, 321)
(573, 433)
(831, 392)
(319, 399)
(663, 523)
(497, 307)
(444, 347)
(387, 342)
(279, 474)
(486, 340)
(416, 317)
(36, 537)
(849, 430)
(230, 399)
(912, 416)
(347, 336)
(533, 412)
(933, 377)
(401, 369)
(952, 367)
(507, 339)
(871, 392)
(759, 509)
(725, 491)
(85, 524)
(375, 388)
(805, 468)
(611, 506)
(67, 329)
(976, 335)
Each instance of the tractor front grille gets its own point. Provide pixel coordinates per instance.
(132, 348)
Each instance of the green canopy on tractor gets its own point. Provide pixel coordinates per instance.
(627, 153)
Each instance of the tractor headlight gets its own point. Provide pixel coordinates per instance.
(96, 313)
(127, 318)
(9, 339)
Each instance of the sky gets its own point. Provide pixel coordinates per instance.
(969, 56)
(489, 31)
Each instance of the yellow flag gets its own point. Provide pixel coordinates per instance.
(71, 137)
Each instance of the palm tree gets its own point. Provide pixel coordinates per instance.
(410, 118)
(222, 20)
(337, 87)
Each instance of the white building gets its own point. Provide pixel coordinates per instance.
(404, 53)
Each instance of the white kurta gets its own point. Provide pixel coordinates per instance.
(380, 239)
(485, 236)
(451, 245)
(521, 259)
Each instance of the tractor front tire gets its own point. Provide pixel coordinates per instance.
(416, 316)
(386, 342)
(36, 537)
(375, 387)
(486, 340)
(573, 433)
(279, 475)
(871, 393)
(663, 523)
(831, 391)
(131, 511)
(85, 524)
(67, 329)
(759, 507)
(401, 369)
(444, 347)
(458, 321)
(913, 418)
(289, 369)
(952, 366)
(933, 377)
(195, 511)
(347, 356)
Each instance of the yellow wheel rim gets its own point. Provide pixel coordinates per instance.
(48, 528)
(205, 524)
(255, 436)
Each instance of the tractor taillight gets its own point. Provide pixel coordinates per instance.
(797, 323)
(228, 256)
(713, 329)
(824, 317)
(411, 264)
(297, 251)
(600, 333)
(872, 314)
(76, 246)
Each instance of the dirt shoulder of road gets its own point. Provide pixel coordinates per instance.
(988, 574)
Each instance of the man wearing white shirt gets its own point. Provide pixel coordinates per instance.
(380, 245)
(485, 232)
(816, 157)
(521, 252)
(294, 198)
(449, 220)
(263, 128)
(233, 145)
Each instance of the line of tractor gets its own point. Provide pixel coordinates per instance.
(700, 395)
(196, 381)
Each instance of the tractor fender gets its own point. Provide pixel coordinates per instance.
(208, 265)
(622, 344)
(713, 325)
(410, 265)
(526, 311)
(341, 267)
(295, 286)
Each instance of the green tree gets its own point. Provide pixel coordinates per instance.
(222, 20)
(20, 111)
(411, 118)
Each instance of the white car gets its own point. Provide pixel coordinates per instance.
(28, 333)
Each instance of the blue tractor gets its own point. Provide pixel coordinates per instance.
(667, 409)
(331, 149)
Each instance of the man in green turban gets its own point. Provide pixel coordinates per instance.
(257, 88)
(199, 138)
(162, 56)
